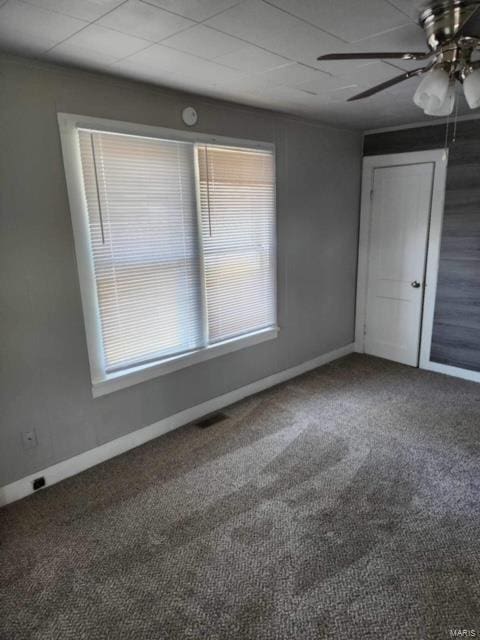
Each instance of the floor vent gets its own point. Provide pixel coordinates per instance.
(208, 421)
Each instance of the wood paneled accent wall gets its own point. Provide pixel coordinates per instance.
(456, 330)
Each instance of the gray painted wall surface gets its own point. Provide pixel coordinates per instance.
(456, 328)
(44, 375)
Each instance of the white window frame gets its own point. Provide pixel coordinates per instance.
(102, 382)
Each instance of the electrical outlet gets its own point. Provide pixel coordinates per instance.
(29, 439)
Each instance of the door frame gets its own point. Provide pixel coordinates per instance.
(439, 157)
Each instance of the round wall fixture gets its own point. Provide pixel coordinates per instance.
(189, 116)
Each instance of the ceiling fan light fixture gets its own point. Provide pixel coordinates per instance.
(446, 108)
(471, 88)
(432, 91)
(452, 31)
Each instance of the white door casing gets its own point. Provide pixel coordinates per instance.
(398, 193)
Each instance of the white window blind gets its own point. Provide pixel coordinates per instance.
(237, 203)
(182, 237)
(140, 195)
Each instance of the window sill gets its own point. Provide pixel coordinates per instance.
(135, 375)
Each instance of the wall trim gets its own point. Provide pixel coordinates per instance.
(70, 467)
(456, 372)
(433, 262)
(433, 122)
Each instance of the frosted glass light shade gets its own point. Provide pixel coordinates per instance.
(446, 108)
(432, 90)
(471, 89)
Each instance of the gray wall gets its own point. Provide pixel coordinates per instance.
(44, 372)
(456, 328)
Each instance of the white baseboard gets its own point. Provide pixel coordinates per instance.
(456, 372)
(57, 472)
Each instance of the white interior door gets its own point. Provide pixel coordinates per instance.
(400, 202)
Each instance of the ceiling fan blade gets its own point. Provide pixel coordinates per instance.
(388, 83)
(380, 55)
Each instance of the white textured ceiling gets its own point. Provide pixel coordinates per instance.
(257, 52)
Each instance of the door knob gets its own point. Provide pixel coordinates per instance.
(415, 284)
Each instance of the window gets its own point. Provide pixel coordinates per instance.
(175, 241)
(237, 226)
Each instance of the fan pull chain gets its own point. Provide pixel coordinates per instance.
(445, 145)
(454, 134)
(455, 117)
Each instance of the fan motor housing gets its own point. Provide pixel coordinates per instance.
(442, 21)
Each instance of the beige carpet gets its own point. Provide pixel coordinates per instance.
(342, 504)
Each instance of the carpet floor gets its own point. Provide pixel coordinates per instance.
(342, 504)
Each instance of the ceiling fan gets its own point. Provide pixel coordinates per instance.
(451, 37)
